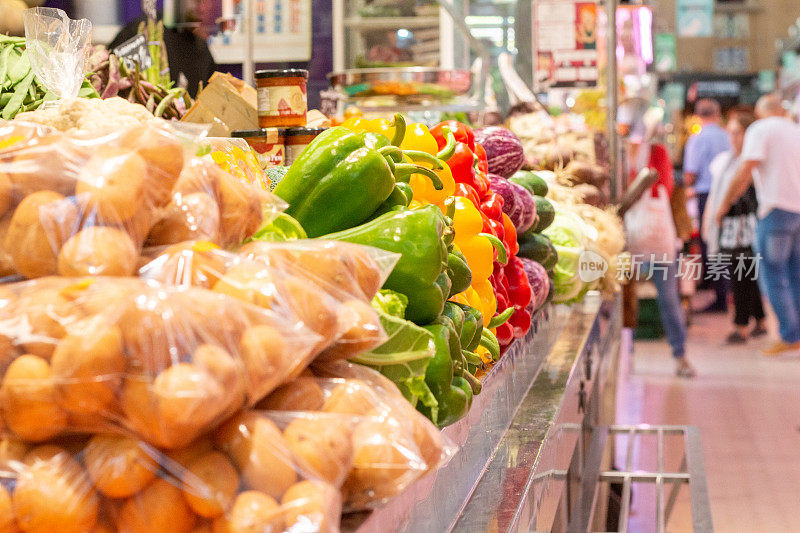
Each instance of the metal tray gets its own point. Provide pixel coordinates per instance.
(520, 429)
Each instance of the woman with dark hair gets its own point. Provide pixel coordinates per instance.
(732, 240)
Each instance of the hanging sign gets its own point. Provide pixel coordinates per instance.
(695, 18)
(666, 57)
(565, 43)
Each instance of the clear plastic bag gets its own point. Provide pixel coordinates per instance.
(116, 483)
(328, 285)
(209, 204)
(235, 156)
(166, 364)
(78, 205)
(56, 47)
(350, 426)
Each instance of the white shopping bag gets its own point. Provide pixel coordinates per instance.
(649, 227)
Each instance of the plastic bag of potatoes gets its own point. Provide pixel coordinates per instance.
(78, 205)
(166, 364)
(352, 427)
(225, 484)
(328, 285)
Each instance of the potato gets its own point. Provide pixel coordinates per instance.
(239, 208)
(28, 399)
(309, 503)
(192, 263)
(363, 332)
(188, 217)
(302, 394)
(139, 226)
(159, 508)
(140, 407)
(48, 164)
(322, 444)
(198, 176)
(251, 282)
(187, 454)
(385, 460)
(210, 484)
(354, 397)
(46, 309)
(6, 261)
(163, 155)
(189, 400)
(313, 307)
(118, 466)
(5, 193)
(267, 359)
(111, 184)
(88, 367)
(229, 372)
(55, 494)
(98, 251)
(216, 319)
(260, 452)
(252, 512)
(40, 225)
(154, 334)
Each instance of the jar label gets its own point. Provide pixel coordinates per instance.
(293, 151)
(280, 101)
(269, 155)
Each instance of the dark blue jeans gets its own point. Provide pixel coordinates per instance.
(778, 242)
(665, 278)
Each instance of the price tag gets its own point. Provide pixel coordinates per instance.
(134, 50)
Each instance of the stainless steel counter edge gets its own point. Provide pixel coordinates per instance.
(500, 441)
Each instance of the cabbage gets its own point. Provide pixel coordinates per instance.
(570, 236)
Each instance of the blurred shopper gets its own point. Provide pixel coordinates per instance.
(771, 160)
(701, 149)
(190, 60)
(735, 236)
(660, 263)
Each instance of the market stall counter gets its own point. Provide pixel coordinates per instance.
(522, 446)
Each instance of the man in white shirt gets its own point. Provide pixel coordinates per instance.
(771, 161)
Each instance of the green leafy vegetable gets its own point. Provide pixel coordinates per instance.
(405, 355)
(390, 302)
(568, 233)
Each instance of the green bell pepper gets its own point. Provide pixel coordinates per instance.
(472, 328)
(459, 272)
(401, 196)
(416, 234)
(452, 398)
(338, 181)
(282, 228)
(342, 177)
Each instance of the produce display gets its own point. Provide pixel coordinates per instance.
(111, 77)
(191, 343)
(20, 89)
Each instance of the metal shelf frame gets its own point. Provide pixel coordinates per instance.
(691, 471)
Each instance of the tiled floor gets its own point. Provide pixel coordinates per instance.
(748, 410)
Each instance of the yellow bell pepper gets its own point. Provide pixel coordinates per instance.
(418, 138)
(467, 225)
(482, 300)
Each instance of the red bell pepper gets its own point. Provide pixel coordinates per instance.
(510, 236)
(519, 288)
(462, 189)
(461, 132)
(492, 205)
(461, 166)
(520, 321)
(483, 162)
